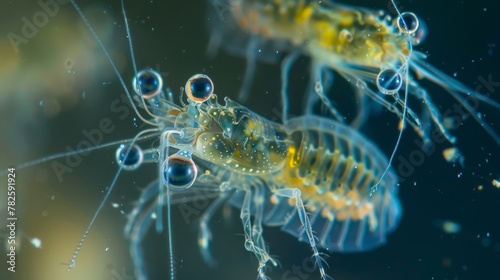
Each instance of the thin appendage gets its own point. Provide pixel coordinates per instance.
(358, 77)
(257, 229)
(404, 23)
(456, 89)
(318, 89)
(146, 195)
(72, 261)
(137, 233)
(409, 112)
(363, 110)
(161, 193)
(164, 152)
(286, 66)
(159, 203)
(108, 57)
(251, 60)
(205, 235)
(423, 95)
(170, 243)
(130, 45)
(81, 151)
(213, 45)
(306, 223)
(134, 65)
(250, 244)
(404, 70)
(451, 85)
(310, 98)
(393, 154)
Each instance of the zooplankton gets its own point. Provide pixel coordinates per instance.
(276, 173)
(312, 176)
(267, 169)
(370, 49)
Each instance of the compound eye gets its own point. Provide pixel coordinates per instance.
(199, 88)
(179, 171)
(408, 23)
(148, 83)
(389, 81)
(129, 157)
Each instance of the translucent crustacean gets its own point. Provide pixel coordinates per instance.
(268, 170)
(370, 49)
(313, 130)
(273, 172)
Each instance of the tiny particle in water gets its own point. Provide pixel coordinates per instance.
(453, 155)
(449, 227)
(496, 183)
(36, 242)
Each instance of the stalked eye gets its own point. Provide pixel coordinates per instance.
(199, 88)
(389, 81)
(129, 157)
(179, 171)
(408, 23)
(148, 83)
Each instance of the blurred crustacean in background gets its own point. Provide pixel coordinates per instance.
(371, 49)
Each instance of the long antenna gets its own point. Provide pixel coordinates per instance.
(106, 53)
(72, 262)
(405, 66)
(159, 218)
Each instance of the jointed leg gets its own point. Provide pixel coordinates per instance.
(139, 230)
(149, 192)
(249, 70)
(253, 240)
(205, 236)
(306, 223)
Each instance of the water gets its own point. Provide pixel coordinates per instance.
(62, 68)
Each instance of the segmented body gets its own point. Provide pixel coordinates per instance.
(270, 171)
(335, 168)
(332, 165)
(334, 34)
